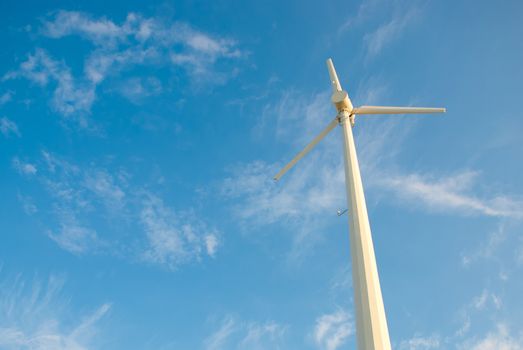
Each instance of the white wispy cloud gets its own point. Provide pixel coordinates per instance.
(394, 17)
(267, 202)
(137, 89)
(141, 40)
(498, 339)
(233, 333)
(8, 127)
(24, 167)
(6, 97)
(364, 13)
(262, 336)
(519, 253)
(100, 31)
(35, 316)
(464, 327)
(211, 244)
(202, 52)
(471, 314)
(471, 333)
(387, 32)
(487, 248)
(332, 330)
(74, 237)
(485, 301)
(83, 186)
(80, 196)
(104, 186)
(137, 41)
(452, 193)
(480, 302)
(174, 238)
(70, 96)
(218, 338)
(301, 202)
(421, 343)
(104, 63)
(73, 194)
(341, 284)
(27, 204)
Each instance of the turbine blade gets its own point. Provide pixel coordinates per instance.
(307, 149)
(334, 77)
(395, 110)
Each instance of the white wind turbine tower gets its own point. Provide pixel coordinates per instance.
(371, 322)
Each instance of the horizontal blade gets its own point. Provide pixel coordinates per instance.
(395, 110)
(334, 77)
(307, 149)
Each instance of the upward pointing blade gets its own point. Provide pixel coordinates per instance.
(395, 110)
(307, 149)
(334, 77)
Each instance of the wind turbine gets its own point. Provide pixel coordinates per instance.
(371, 322)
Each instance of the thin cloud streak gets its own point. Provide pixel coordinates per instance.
(386, 33)
(449, 194)
(218, 339)
(9, 127)
(234, 333)
(35, 316)
(23, 167)
(498, 339)
(6, 97)
(487, 248)
(421, 343)
(72, 236)
(332, 330)
(399, 16)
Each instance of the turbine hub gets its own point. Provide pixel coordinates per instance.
(341, 101)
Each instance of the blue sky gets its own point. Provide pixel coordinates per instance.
(139, 143)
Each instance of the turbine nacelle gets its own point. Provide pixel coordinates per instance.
(341, 101)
